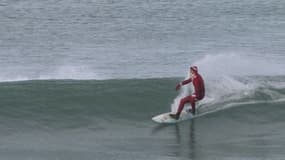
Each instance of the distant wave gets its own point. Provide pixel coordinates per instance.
(211, 66)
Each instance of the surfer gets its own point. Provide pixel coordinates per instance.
(199, 92)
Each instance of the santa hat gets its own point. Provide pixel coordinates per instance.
(194, 69)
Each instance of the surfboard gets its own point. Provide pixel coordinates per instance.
(165, 118)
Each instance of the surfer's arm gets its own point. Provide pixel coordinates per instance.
(186, 81)
(183, 83)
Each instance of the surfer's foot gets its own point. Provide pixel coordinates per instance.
(190, 111)
(174, 116)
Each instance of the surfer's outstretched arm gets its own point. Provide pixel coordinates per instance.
(186, 81)
(183, 83)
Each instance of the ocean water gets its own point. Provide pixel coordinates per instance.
(82, 79)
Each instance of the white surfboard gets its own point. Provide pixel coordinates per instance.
(165, 118)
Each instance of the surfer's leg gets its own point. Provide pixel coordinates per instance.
(192, 102)
(192, 99)
(181, 106)
(182, 103)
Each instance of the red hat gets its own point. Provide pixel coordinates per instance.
(194, 69)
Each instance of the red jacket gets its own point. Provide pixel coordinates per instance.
(198, 83)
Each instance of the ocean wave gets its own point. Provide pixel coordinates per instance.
(60, 101)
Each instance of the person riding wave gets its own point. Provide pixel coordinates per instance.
(199, 92)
